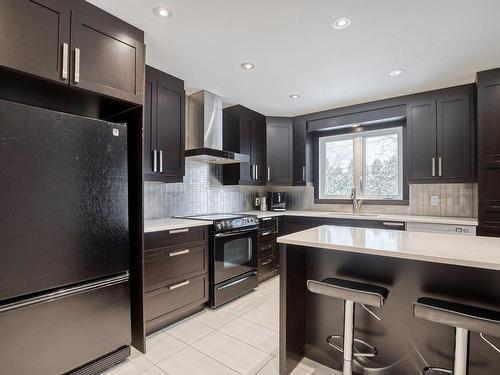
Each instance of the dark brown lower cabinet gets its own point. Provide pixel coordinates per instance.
(175, 275)
(269, 265)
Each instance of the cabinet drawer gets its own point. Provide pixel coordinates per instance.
(266, 265)
(267, 236)
(172, 263)
(157, 240)
(268, 223)
(266, 250)
(169, 298)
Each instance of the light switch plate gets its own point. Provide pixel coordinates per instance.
(434, 200)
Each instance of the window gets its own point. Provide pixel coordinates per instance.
(370, 161)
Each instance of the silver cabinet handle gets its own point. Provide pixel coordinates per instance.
(440, 166)
(77, 65)
(177, 253)
(303, 173)
(268, 173)
(183, 230)
(393, 224)
(267, 218)
(161, 161)
(433, 167)
(253, 172)
(65, 51)
(267, 262)
(175, 286)
(155, 163)
(266, 233)
(256, 172)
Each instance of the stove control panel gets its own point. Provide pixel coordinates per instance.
(241, 222)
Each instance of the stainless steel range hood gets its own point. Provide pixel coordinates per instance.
(204, 131)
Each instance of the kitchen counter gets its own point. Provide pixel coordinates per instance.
(368, 216)
(411, 265)
(158, 225)
(469, 251)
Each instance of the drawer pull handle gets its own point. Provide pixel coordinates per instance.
(389, 224)
(267, 262)
(266, 233)
(176, 253)
(267, 218)
(174, 231)
(175, 286)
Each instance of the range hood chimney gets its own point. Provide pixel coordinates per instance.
(204, 131)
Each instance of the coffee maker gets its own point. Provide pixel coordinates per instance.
(276, 201)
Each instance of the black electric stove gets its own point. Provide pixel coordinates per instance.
(233, 255)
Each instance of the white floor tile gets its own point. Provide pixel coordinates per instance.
(258, 336)
(189, 331)
(215, 318)
(263, 316)
(192, 362)
(233, 353)
(312, 367)
(135, 365)
(161, 345)
(272, 303)
(272, 367)
(154, 371)
(245, 304)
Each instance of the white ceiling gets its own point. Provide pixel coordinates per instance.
(439, 43)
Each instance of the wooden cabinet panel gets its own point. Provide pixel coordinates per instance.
(279, 151)
(109, 61)
(299, 153)
(158, 240)
(454, 136)
(421, 122)
(244, 131)
(164, 127)
(32, 34)
(170, 126)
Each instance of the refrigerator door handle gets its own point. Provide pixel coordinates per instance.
(61, 293)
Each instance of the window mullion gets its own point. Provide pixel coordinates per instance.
(358, 163)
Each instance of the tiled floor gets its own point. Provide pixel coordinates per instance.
(238, 338)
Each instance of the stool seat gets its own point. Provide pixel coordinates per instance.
(366, 294)
(453, 314)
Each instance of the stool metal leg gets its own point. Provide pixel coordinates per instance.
(461, 351)
(348, 336)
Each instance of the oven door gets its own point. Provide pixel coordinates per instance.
(235, 254)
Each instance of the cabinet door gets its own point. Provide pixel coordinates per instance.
(421, 145)
(279, 151)
(299, 153)
(150, 105)
(170, 127)
(454, 138)
(259, 148)
(105, 59)
(32, 35)
(246, 169)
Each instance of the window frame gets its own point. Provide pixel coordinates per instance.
(359, 136)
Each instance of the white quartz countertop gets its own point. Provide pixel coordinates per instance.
(377, 217)
(469, 251)
(158, 225)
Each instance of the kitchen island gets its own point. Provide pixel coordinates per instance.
(411, 265)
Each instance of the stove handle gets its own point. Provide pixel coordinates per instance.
(237, 281)
(218, 235)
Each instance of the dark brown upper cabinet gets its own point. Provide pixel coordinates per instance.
(164, 127)
(488, 147)
(441, 136)
(244, 132)
(279, 151)
(300, 144)
(73, 42)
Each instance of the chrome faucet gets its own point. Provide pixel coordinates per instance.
(356, 203)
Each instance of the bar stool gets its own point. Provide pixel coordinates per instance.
(350, 292)
(464, 318)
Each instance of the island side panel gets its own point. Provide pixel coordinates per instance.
(292, 309)
(405, 344)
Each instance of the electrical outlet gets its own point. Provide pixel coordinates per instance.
(434, 200)
(257, 202)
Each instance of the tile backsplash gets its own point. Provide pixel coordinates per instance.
(202, 192)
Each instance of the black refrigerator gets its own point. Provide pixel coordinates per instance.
(64, 242)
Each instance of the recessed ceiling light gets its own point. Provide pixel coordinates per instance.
(294, 96)
(247, 66)
(397, 72)
(163, 12)
(341, 23)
